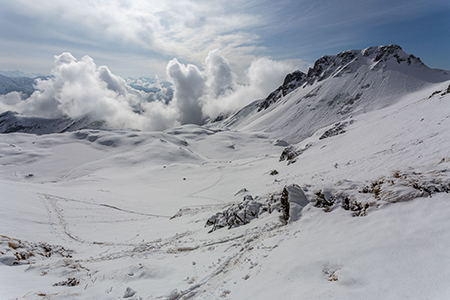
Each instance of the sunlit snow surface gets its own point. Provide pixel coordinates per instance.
(122, 214)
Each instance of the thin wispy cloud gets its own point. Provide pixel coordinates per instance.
(158, 31)
(184, 29)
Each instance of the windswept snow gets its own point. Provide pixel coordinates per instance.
(198, 212)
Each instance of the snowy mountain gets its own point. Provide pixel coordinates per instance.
(23, 85)
(337, 88)
(313, 192)
(18, 73)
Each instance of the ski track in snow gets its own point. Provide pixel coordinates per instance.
(56, 218)
(192, 195)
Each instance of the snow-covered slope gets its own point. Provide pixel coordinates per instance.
(356, 210)
(336, 88)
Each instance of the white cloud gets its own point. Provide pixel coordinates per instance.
(189, 86)
(205, 94)
(263, 76)
(80, 87)
(10, 101)
(221, 80)
(184, 29)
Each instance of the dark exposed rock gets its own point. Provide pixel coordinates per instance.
(290, 154)
(336, 65)
(237, 214)
(443, 93)
(338, 128)
(359, 209)
(220, 117)
(274, 172)
(289, 204)
(284, 203)
(291, 82)
(324, 200)
(292, 201)
(385, 52)
(69, 282)
(447, 91)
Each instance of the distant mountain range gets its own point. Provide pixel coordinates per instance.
(18, 73)
(23, 85)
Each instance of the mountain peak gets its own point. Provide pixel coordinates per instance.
(291, 82)
(390, 57)
(349, 61)
(395, 52)
(337, 88)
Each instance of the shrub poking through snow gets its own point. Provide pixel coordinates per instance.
(274, 172)
(69, 282)
(323, 202)
(359, 209)
(18, 252)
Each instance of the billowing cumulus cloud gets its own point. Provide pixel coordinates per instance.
(77, 88)
(221, 80)
(189, 85)
(263, 76)
(206, 94)
(80, 87)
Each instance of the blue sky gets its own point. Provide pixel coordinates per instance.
(138, 38)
